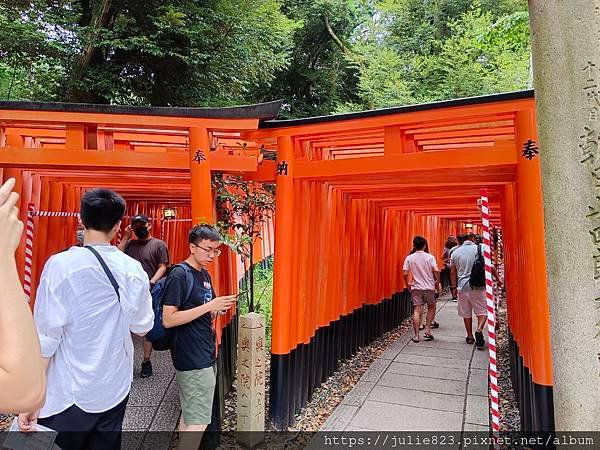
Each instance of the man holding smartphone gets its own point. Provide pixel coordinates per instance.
(193, 344)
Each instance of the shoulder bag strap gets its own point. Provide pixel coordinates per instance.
(107, 271)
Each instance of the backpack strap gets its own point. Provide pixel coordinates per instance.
(189, 278)
(107, 271)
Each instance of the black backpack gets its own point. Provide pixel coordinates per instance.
(477, 278)
(159, 336)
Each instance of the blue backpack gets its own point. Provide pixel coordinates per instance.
(159, 336)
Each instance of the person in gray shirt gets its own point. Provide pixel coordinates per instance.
(470, 300)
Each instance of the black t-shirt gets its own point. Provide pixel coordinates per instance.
(192, 344)
(150, 253)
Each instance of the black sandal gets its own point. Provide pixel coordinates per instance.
(470, 340)
(413, 339)
(428, 337)
(434, 324)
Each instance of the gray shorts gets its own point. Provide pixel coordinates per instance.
(196, 393)
(420, 297)
(472, 301)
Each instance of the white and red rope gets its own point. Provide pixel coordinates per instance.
(53, 213)
(491, 315)
(28, 252)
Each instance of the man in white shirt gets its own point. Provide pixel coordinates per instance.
(85, 314)
(425, 283)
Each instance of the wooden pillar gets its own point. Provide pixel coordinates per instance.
(396, 141)
(282, 276)
(202, 203)
(14, 140)
(75, 136)
(533, 276)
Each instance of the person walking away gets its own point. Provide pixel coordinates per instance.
(193, 345)
(153, 254)
(445, 274)
(470, 300)
(89, 301)
(460, 241)
(426, 281)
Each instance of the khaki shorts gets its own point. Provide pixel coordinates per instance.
(472, 301)
(420, 297)
(196, 393)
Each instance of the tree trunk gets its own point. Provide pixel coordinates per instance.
(101, 16)
(336, 39)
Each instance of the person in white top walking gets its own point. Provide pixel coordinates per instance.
(425, 284)
(89, 301)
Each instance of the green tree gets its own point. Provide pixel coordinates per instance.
(322, 72)
(421, 51)
(174, 52)
(35, 49)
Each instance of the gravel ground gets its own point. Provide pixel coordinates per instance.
(509, 410)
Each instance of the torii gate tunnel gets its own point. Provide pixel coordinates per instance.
(352, 191)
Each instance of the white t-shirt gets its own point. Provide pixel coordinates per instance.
(421, 265)
(86, 331)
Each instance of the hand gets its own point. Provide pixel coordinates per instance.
(11, 226)
(128, 232)
(28, 421)
(222, 303)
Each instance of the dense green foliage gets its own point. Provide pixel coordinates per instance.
(320, 56)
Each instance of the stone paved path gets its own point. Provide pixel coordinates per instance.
(153, 403)
(439, 385)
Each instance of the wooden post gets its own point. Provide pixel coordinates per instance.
(282, 276)
(202, 203)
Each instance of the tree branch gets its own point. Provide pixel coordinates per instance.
(101, 16)
(336, 39)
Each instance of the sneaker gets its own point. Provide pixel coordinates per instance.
(146, 369)
(454, 299)
(479, 341)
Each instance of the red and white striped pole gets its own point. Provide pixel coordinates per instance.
(28, 252)
(491, 315)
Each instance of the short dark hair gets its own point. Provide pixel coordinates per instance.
(419, 243)
(203, 232)
(478, 239)
(101, 209)
(451, 242)
(461, 238)
(469, 236)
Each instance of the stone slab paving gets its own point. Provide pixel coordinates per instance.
(153, 404)
(439, 385)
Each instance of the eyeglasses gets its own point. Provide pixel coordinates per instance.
(215, 252)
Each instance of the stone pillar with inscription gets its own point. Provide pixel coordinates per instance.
(566, 60)
(251, 380)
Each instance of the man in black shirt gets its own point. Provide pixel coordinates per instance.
(193, 346)
(153, 255)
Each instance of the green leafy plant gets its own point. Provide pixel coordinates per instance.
(243, 207)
